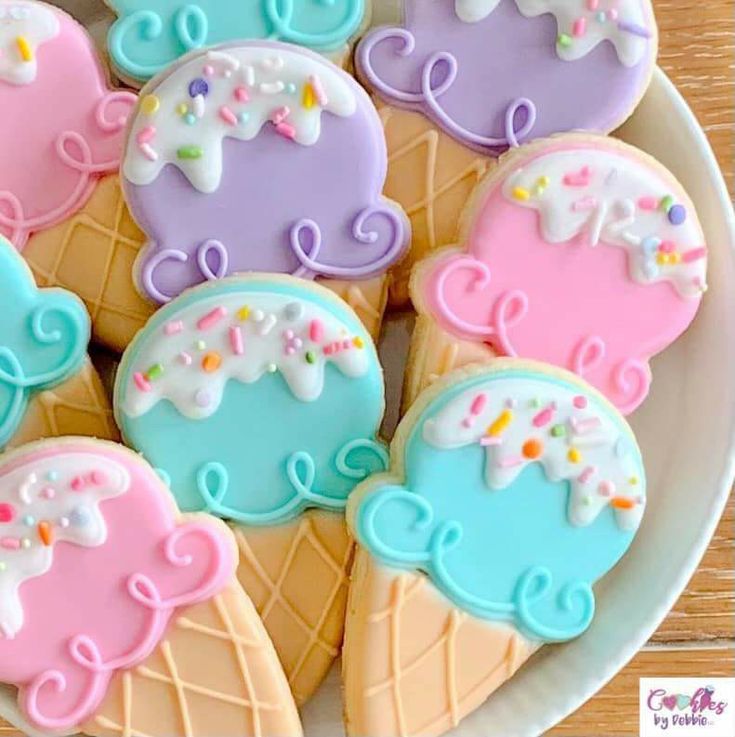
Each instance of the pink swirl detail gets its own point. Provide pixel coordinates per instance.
(634, 392)
(588, 355)
(508, 309)
(106, 124)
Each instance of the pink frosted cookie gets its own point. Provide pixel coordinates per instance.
(61, 128)
(579, 251)
(98, 576)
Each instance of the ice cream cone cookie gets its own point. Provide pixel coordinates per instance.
(149, 35)
(47, 385)
(156, 637)
(580, 251)
(63, 126)
(512, 489)
(259, 397)
(258, 156)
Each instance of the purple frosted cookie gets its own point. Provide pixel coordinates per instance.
(496, 73)
(258, 156)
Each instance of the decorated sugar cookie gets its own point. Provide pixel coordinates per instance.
(547, 492)
(237, 160)
(47, 385)
(580, 251)
(62, 127)
(151, 34)
(157, 596)
(259, 399)
(485, 75)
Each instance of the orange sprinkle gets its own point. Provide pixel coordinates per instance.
(532, 449)
(211, 361)
(622, 502)
(45, 533)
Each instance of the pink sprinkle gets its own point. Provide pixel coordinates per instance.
(346, 344)
(586, 203)
(648, 203)
(290, 350)
(488, 440)
(286, 130)
(328, 350)
(78, 483)
(10, 543)
(241, 94)
(693, 255)
(579, 178)
(278, 116)
(467, 422)
(147, 151)
(48, 493)
(236, 342)
(580, 402)
(478, 404)
(212, 318)
(510, 461)
(316, 85)
(545, 416)
(208, 70)
(227, 115)
(606, 488)
(185, 358)
(146, 135)
(316, 331)
(593, 4)
(667, 247)
(587, 474)
(98, 478)
(141, 382)
(587, 425)
(579, 27)
(172, 328)
(612, 14)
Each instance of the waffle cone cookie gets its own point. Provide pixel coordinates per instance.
(512, 488)
(260, 397)
(431, 176)
(157, 637)
(297, 577)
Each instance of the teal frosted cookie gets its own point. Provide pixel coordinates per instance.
(151, 34)
(43, 341)
(512, 489)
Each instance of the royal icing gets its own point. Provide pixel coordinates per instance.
(43, 338)
(24, 28)
(62, 136)
(257, 398)
(279, 124)
(231, 93)
(583, 254)
(582, 24)
(105, 567)
(497, 73)
(521, 490)
(137, 53)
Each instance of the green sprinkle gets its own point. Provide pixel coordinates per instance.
(558, 431)
(564, 40)
(190, 152)
(666, 203)
(535, 402)
(2, 566)
(272, 368)
(154, 371)
(200, 345)
(586, 501)
(310, 357)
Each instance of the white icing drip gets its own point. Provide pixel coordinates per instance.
(45, 492)
(24, 26)
(515, 410)
(247, 87)
(280, 333)
(583, 23)
(615, 200)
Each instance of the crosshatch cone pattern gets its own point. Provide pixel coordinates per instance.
(297, 575)
(79, 406)
(93, 254)
(214, 673)
(414, 664)
(432, 177)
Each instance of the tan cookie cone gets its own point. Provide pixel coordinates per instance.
(431, 176)
(92, 254)
(413, 663)
(214, 673)
(79, 406)
(297, 576)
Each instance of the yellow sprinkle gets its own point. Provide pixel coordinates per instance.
(182, 109)
(633, 480)
(521, 194)
(308, 98)
(501, 423)
(243, 314)
(149, 105)
(211, 362)
(675, 258)
(574, 455)
(543, 182)
(358, 342)
(24, 47)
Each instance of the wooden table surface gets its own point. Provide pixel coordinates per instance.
(698, 636)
